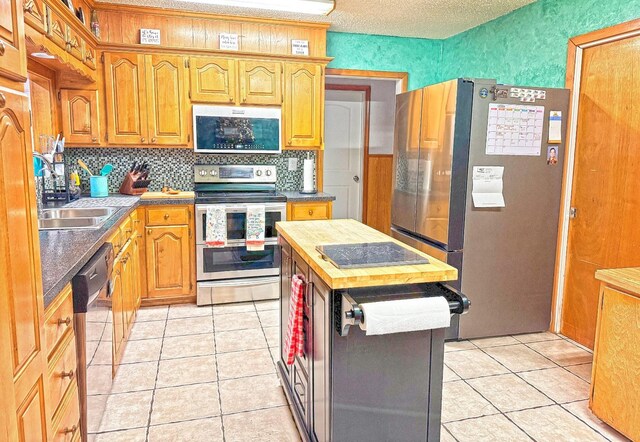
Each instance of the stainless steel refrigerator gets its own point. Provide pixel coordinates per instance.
(505, 256)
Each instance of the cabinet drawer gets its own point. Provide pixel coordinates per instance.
(75, 45)
(116, 240)
(34, 14)
(56, 28)
(309, 211)
(62, 374)
(89, 56)
(68, 428)
(126, 229)
(58, 320)
(167, 216)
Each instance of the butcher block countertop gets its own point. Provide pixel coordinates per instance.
(304, 236)
(627, 278)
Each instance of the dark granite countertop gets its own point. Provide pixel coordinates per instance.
(296, 197)
(64, 252)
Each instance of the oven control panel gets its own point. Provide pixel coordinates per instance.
(209, 173)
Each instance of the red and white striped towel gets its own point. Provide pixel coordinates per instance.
(294, 340)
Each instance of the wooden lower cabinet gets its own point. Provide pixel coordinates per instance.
(303, 211)
(615, 392)
(169, 249)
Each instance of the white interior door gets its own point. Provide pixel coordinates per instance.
(344, 151)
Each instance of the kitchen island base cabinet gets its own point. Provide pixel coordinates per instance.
(358, 387)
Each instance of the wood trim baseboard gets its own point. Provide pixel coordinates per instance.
(152, 302)
(575, 44)
(403, 77)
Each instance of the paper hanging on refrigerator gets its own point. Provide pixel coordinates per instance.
(487, 186)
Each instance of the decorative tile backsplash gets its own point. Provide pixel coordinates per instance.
(174, 166)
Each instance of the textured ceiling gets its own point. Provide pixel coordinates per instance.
(405, 18)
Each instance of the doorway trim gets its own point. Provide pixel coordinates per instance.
(365, 138)
(572, 82)
(402, 78)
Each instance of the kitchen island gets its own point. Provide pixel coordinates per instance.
(348, 385)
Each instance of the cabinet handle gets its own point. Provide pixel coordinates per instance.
(66, 321)
(230, 99)
(166, 216)
(3, 100)
(153, 140)
(94, 139)
(136, 221)
(142, 139)
(71, 430)
(2, 48)
(67, 374)
(149, 231)
(244, 99)
(300, 391)
(310, 212)
(28, 7)
(289, 143)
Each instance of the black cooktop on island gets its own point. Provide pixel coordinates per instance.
(363, 255)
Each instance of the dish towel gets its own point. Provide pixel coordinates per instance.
(255, 227)
(294, 340)
(216, 226)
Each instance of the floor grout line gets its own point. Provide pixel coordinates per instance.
(153, 396)
(215, 351)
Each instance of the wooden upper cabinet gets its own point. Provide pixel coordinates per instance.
(126, 98)
(303, 105)
(260, 82)
(57, 28)
(213, 80)
(13, 56)
(35, 14)
(80, 121)
(167, 100)
(21, 298)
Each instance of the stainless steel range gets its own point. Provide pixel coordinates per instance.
(233, 273)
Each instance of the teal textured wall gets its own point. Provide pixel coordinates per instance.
(529, 45)
(418, 56)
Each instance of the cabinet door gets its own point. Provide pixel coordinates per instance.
(321, 353)
(127, 290)
(303, 105)
(80, 121)
(126, 99)
(13, 55)
(34, 14)
(136, 271)
(23, 361)
(213, 80)
(285, 296)
(615, 375)
(168, 261)
(260, 82)
(117, 309)
(167, 102)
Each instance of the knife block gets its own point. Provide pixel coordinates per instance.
(131, 185)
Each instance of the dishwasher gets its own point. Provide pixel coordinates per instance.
(93, 321)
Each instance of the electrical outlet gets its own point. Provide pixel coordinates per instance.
(293, 164)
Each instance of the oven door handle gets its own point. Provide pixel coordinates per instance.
(239, 282)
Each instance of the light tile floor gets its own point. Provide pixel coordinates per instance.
(208, 374)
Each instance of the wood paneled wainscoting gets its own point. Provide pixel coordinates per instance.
(377, 192)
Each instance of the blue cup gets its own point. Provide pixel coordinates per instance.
(99, 186)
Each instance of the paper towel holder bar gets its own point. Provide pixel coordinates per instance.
(350, 312)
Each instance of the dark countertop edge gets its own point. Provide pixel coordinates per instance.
(56, 288)
(297, 197)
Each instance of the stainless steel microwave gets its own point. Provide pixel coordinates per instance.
(235, 129)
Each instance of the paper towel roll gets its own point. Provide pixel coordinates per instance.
(383, 318)
(308, 176)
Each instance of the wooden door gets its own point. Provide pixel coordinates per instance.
(167, 101)
(168, 261)
(127, 289)
(136, 271)
(80, 121)
(615, 376)
(303, 105)
(13, 55)
(604, 233)
(213, 80)
(21, 297)
(260, 82)
(126, 98)
(42, 98)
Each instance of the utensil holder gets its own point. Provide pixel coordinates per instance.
(99, 186)
(132, 186)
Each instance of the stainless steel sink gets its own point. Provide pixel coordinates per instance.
(76, 218)
(77, 213)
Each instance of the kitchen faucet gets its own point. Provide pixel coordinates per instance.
(47, 164)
